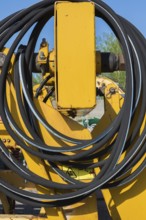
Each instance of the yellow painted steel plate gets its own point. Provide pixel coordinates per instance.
(75, 55)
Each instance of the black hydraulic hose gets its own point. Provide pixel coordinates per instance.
(42, 85)
(124, 131)
(50, 92)
(17, 167)
(43, 147)
(14, 45)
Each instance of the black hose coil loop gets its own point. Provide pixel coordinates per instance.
(112, 173)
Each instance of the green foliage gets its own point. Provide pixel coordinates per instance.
(109, 43)
(36, 78)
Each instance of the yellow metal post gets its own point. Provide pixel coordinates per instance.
(75, 55)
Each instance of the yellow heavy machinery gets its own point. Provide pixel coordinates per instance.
(48, 159)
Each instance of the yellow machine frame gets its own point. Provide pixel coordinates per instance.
(124, 202)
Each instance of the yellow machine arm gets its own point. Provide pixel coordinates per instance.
(51, 157)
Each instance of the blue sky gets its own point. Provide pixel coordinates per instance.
(134, 11)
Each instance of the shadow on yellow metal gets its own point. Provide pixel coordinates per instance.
(35, 164)
(126, 202)
(88, 207)
(20, 217)
(123, 203)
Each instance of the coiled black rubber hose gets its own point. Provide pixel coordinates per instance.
(112, 173)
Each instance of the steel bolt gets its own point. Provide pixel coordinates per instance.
(4, 140)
